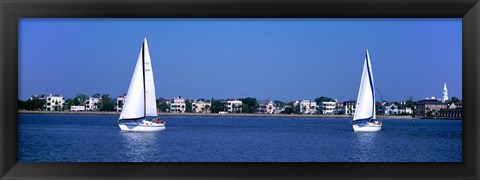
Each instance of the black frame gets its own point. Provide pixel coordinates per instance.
(10, 10)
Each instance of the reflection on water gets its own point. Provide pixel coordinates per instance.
(139, 145)
(364, 145)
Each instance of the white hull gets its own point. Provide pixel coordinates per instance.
(366, 128)
(141, 126)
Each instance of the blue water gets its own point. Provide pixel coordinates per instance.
(97, 138)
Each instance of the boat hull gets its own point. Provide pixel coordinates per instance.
(142, 126)
(366, 128)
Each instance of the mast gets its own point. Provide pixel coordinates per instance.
(144, 89)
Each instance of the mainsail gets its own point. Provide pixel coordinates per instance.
(140, 101)
(365, 109)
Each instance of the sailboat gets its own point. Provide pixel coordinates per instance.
(365, 116)
(140, 102)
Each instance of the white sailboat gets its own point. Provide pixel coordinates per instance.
(364, 118)
(140, 102)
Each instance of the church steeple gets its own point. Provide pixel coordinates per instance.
(445, 92)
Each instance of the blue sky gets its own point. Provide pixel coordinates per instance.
(286, 59)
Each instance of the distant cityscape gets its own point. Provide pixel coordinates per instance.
(424, 108)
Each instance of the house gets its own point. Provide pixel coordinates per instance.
(234, 106)
(53, 102)
(91, 104)
(328, 107)
(270, 107)
(339, 109)
(390, 109)
(200, 106)
(77, 108)
(120, 102)
(266, 107)
(349, 107)
(403, 109)
(177, 105)
(428, 107)
(305, 107)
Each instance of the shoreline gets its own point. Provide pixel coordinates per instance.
(212, 114)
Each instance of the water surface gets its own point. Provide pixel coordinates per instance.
(97, 138)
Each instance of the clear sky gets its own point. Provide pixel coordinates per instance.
(286, 59)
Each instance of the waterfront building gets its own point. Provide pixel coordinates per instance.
(53, 102)
(339, 109)
(270, 107)
(390, 109)
(349, 107)
(120, 102)
(77, 108)
(403, 109)
(305, 107)
(445, 93)
(200, 106)
(452, 111)
(234, 106)
(428, 107)
(328, 107)
(91, 104)
(177, 105)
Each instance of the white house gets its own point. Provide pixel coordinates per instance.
(349, 107)
(405, 110)
(270, 108)
(77, 108)
(234, 106)
(328, 107)
(391, 109)
(177, 105)
(53, 102)
(306, 107)
(120, 102)
(92, 104)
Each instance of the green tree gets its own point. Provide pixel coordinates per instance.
(35, 105)
(279, 103)
(97, 95)
(409, 103)
(455, 100)
(163, 107)
(21, 104)
(82, 97)
(295, 109)
(288, 110)
(249, 105)
(106, 103)
(188, 105)
(68, 103)
(218, 106)
(323, 99)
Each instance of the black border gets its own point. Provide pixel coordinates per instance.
(10, 10)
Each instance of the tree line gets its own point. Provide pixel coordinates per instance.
(105, 104)
(249, 104)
